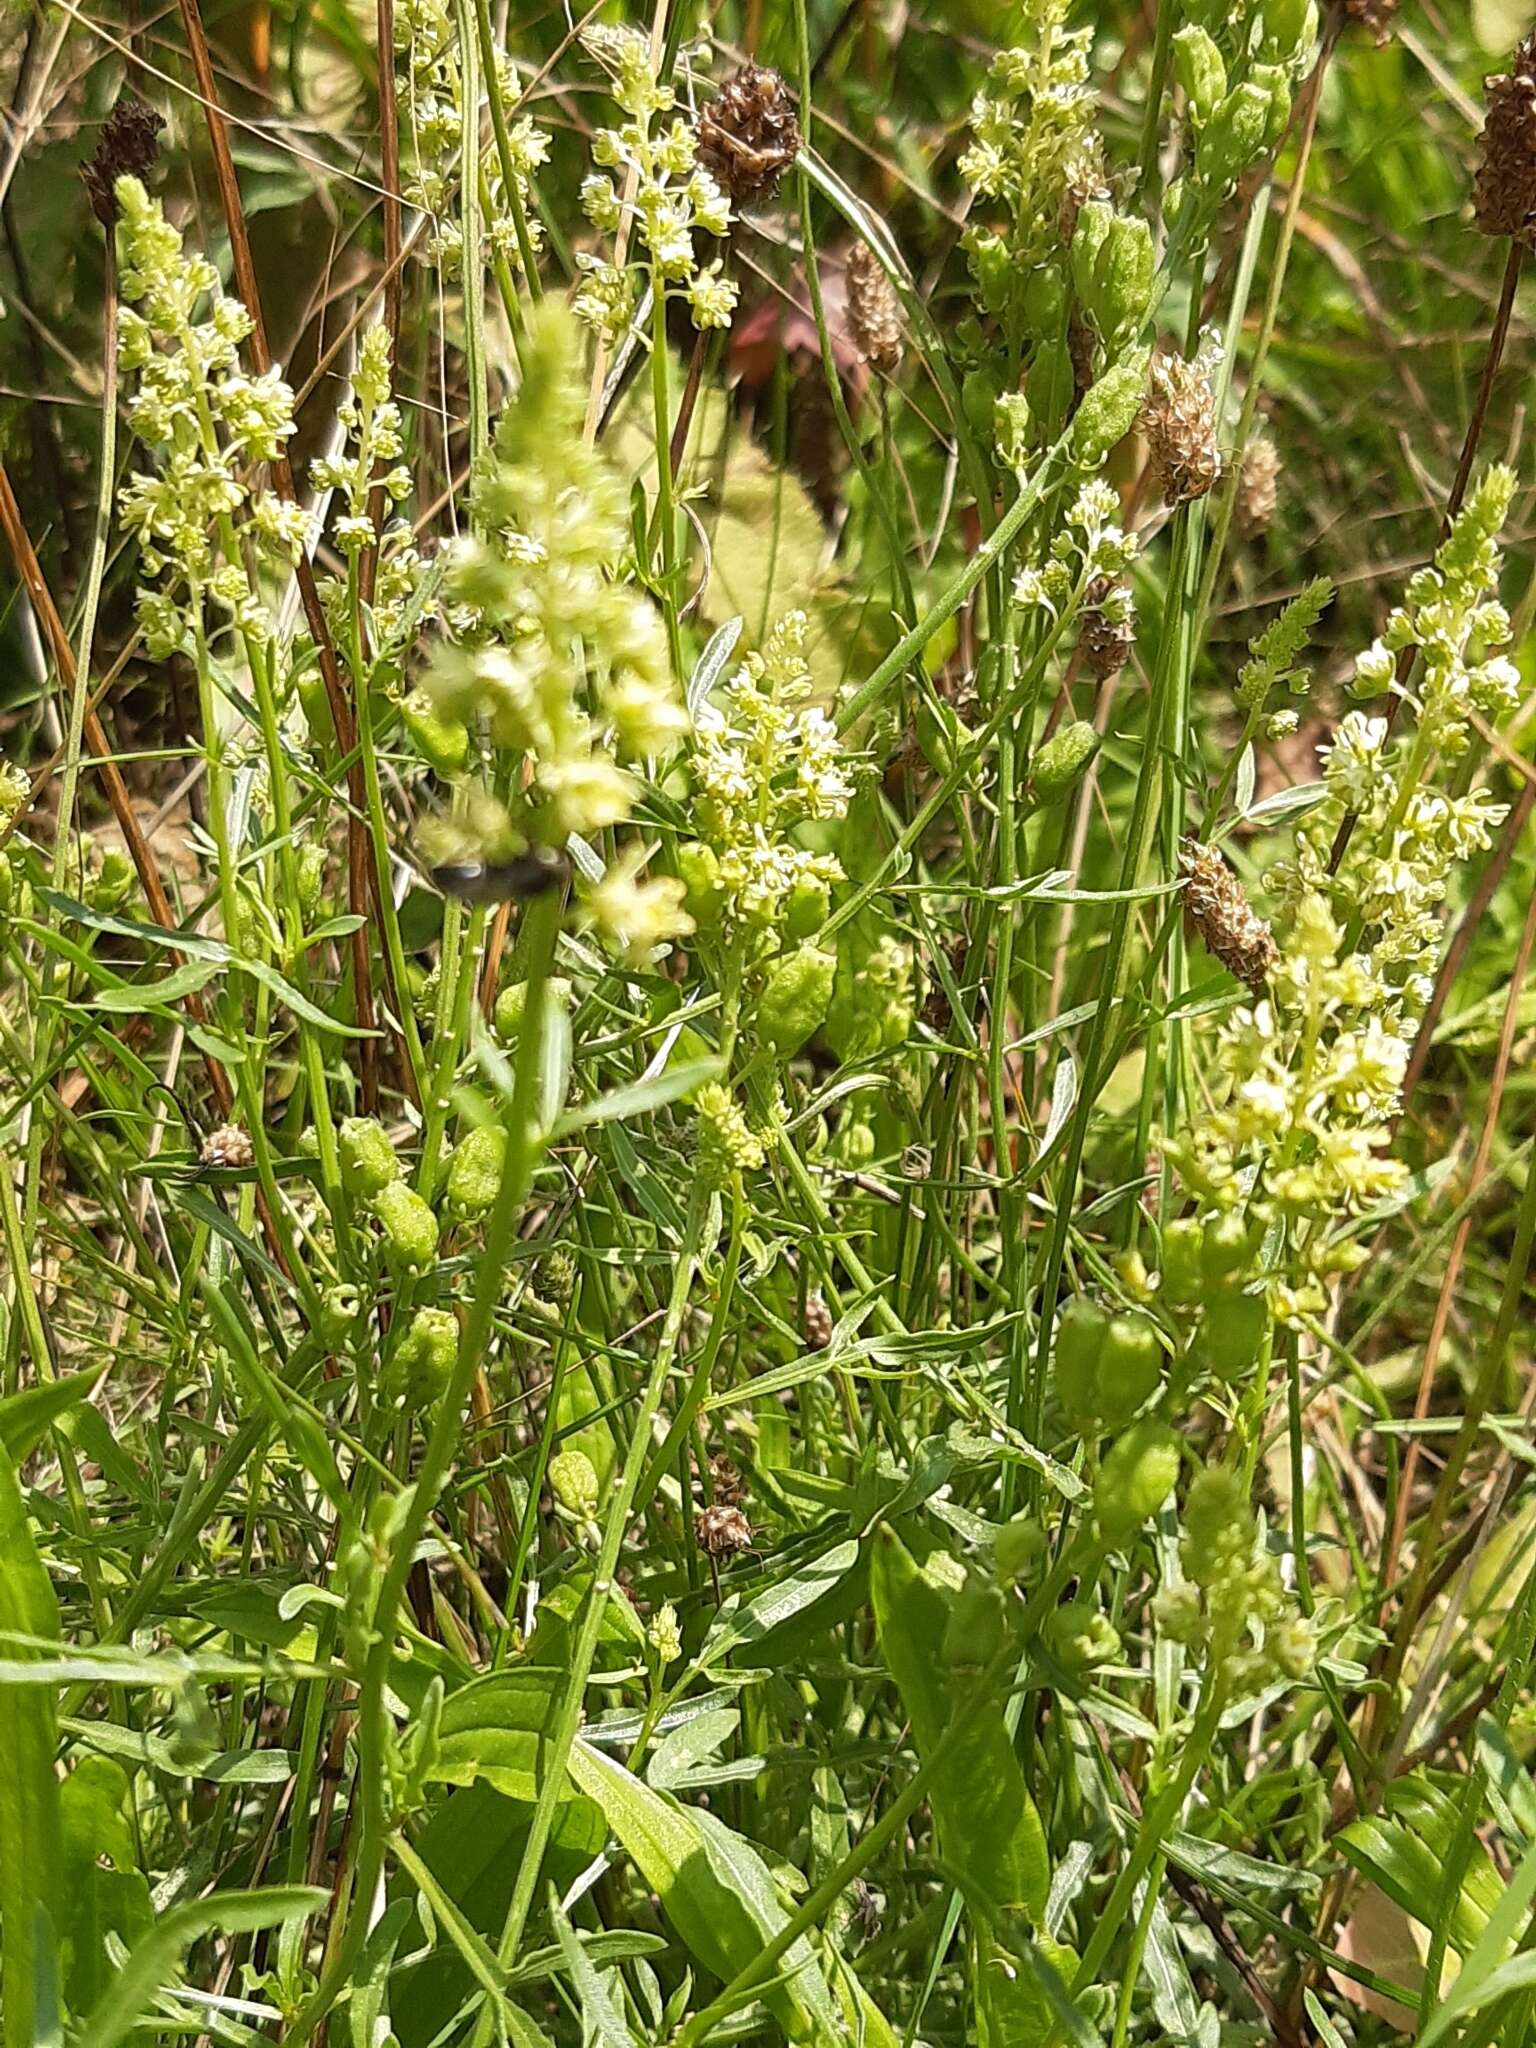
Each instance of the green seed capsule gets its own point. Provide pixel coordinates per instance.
(703, 891)
(311, 877)
(1217, 1522)
(1122, 285)
(1182, 1282)
(1018, 1546)
(977, 1624)
(795, 998)
(806, 908)
(340, 1308)
(1232, 1332)
(474, 1171)
(1044, 300)
(1080, 1636)
(573, 1482)
(1130, 1368)
(1062, 762)
(1079, 1341)
(1109, 409)
(368, 1161)
(112, 885)
(410, 1228)
(1234, 135)
(1140, 1470)
(426, 1355)
(1229, 1247)
(1049, 386)
(507, 1016)
(443, 743)
(1201, 72)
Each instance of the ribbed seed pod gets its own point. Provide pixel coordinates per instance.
(1108, 631)
(1257, 487)
(1219, 911)
(1178, 418)
(128, 145)
(874, 317)
(1504, 191)
(749, 136)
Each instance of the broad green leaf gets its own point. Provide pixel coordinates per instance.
(772, 1610)
(152, 1964)
(1489, 1971)
(681, 1749)
(1510, 1790)
(1327, 2032)
(31, 1856)
(495, 1728)
(1411, 1873)
(367, 2007)
(27, 1417)
(1232, 1871)
(104, 1890)
(988, 1827)
(713, 1886)
(193, 944)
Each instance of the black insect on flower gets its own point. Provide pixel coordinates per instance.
(503, 881)
(127, 146)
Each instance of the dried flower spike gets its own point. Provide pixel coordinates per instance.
(874, 318)
(723, 1531)
(1108, 631)
(1257, 487)
(1178, 418)
(749, 136)
(1220, 912)
(730, 1487)
(227, 1145)
(127, 146)
(818, 1323)
(1504, 192)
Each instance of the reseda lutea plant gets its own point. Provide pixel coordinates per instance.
(704, 1264)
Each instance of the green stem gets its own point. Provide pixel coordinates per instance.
(568, 1714)
(525, 1142)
